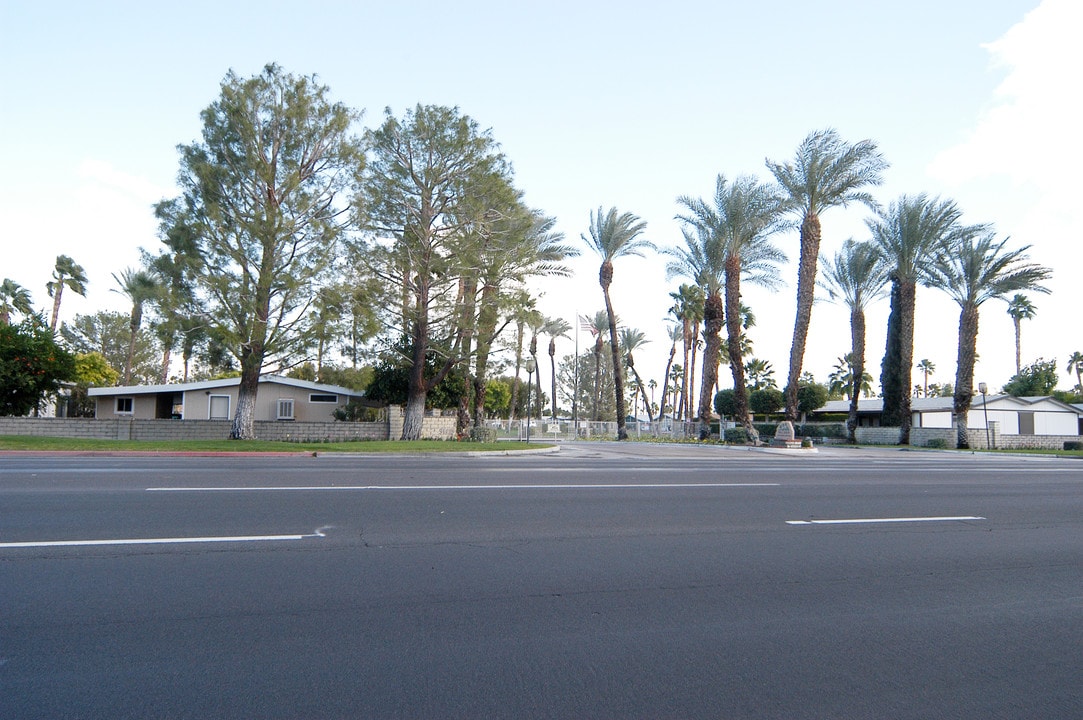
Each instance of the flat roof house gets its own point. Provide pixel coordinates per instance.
(277, 398)
(1016, 415)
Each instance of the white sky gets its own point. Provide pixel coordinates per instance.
(596, 104)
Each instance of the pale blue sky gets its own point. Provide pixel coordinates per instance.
(595, 103)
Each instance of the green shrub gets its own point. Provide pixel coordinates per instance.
(483, 434)
(937, 443)
(806, 442)
(736, 436)
(1073, 445)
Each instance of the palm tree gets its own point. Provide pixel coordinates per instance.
(1075, 364)
(927, 367)
(674, 333)
(554, 328)
(731, 235)
(139, 286)
(688, 310)
(66, 273)
(826, 172)
(613, 236)
(630, 340)
(972, 268)
(856, 276)
(759, 374)
(907, 234)
(1020, 308)
(13, 298)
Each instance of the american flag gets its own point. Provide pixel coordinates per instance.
(588, 325)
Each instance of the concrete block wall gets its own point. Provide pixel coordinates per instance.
(433, 427)
(878, 435)
(131, 429)
(319, 431)
(920, 437)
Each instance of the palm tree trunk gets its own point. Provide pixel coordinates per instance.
(618, 374)
(733, 332)
(713, 316)
(964, 373)
(857, 369)
(1018, 322)
(553, 370)
(56, 302)
(908, 302)
(806, 287)
(690, 371)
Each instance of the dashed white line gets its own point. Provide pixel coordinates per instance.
(159, 541)
(327, 488)
(859, 521)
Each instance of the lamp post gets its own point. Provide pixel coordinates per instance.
(529, 365)
(982, 387)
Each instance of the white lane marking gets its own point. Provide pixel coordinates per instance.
(314, 488)
(857, 521)
(159, 541)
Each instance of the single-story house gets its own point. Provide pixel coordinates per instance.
(1016, 415)
(277, 398)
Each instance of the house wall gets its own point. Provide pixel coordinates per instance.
(932, 419)
(143, 406)
(126, 428)
(1055, 423)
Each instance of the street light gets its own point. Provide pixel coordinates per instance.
(529, 365)
(982, 387)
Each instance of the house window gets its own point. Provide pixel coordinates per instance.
(318, 398)
(125, 406)
(285, 408)
(219, 407)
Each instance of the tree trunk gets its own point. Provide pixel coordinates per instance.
(487, 317)
(618, 374)
(857, 369)
(56, 303)
(713, 318)
(553, 370)
(1018, 322)
(964, 371)
(733, 332)
(908, 301)
(244, 427)
(417, 389)
(806, 287)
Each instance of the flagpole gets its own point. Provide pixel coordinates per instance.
(575, 382)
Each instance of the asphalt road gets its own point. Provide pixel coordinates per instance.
(605, 581)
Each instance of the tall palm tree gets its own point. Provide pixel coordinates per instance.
(907, 234)
(13, 298)
(66, 273)
(1020, 308)
(140, 287)
(972, 268)
(826, 172)
(612, 236)
(927, 368)
(535, 322)
(631, 340)
(1075, 364)
(688, 310)
(674, 333)
(554, 328)
(855, 276)
(729, 233)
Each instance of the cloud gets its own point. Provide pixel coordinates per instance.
(1029, 133)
